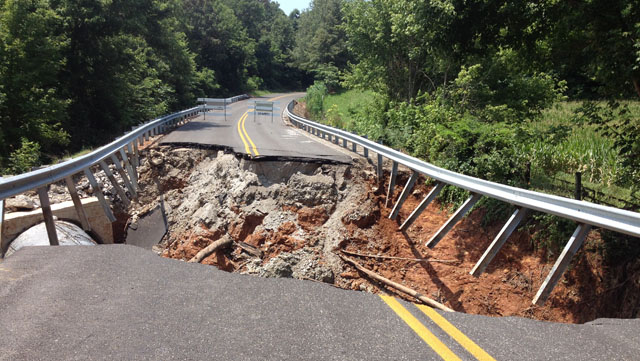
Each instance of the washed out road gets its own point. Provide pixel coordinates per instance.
(255, 135)
(123, 302)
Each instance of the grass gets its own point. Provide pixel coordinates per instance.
(582, 150)
(340, 109)
(578, 148)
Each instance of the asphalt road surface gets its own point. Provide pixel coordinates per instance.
(255, 135)
(122, 302)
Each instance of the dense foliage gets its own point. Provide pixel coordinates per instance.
(77, 73)
(463, 84)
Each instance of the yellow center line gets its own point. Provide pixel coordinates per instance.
(417, 327)
(456, 334)
(255, 150)
(246, 146)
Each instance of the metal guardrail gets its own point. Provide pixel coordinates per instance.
(585, 213)
(122, 152)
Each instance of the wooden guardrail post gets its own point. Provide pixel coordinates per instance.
(48, 216)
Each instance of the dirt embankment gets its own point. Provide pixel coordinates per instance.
(289, 219)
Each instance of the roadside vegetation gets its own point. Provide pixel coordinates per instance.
(527, 96)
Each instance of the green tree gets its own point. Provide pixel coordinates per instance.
(32, 105)
(320, 39)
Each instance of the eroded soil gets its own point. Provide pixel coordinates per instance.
(290, 219)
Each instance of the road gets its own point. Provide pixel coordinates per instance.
(256, 136)
(122, 302)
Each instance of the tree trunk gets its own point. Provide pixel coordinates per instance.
(636, 84)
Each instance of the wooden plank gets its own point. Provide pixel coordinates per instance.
(499, 241)
(392, 183)
(403, 196)
(562, 263)
(133, 176)
(48, 216)
(114, 181)
(457, 216)
(124, 176)
(97, 191)
(435, 191)
(77, 203)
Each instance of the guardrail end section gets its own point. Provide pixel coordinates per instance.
(575, 242)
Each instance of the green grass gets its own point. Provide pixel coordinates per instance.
(583, 150)
(340, 109)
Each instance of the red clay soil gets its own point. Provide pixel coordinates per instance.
(508, 285)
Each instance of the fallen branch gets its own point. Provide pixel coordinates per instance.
(401, 258)
(397, 286)
(205, 252)
(250, 249)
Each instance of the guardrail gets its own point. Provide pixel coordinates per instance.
(122, 152)
(585, 213)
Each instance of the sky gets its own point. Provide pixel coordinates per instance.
(288, 5)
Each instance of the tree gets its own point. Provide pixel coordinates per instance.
(32, 104)
(320, 39)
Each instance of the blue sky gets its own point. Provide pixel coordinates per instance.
(288, 5)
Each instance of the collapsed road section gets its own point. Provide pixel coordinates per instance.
(297, 219)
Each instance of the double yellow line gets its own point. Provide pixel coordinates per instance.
(242, 131)
(246, 139)
(427, 336)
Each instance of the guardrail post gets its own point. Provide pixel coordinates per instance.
(366, 150)
(403, 195)
(114, 181)
(499, 241)
(2, 245)
(48, 216)
(379, 168)
(77, 203)
(136, 155)
(457, 216)
(98, 193)
(344, 142)
(132, 158)
(354, 147)
(562, 263)
(132, 174)
(123, 175)
(578, 190)
(392, 182)
(435, 191)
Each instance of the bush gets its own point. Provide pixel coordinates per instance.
(315, 99)
(23, 159)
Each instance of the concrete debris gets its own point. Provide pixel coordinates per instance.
(290, 212)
